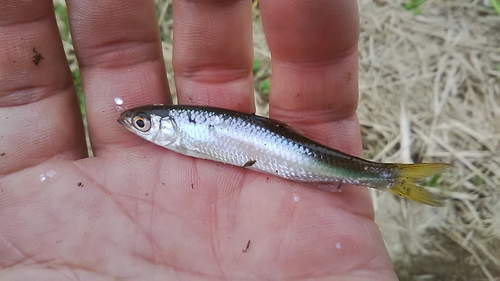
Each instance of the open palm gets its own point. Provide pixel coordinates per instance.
(136, 211)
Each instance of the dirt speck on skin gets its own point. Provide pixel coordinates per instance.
(246, 248)
(37, 57)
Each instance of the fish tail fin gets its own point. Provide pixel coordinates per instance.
(408, 175)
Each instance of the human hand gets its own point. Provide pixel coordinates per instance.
(139, 211)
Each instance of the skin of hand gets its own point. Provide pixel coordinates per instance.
(137, 211)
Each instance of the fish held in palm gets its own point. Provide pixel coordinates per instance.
(269, 146)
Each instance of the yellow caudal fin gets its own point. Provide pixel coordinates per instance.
(405, 184)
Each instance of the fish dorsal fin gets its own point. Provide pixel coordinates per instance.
(278, 124)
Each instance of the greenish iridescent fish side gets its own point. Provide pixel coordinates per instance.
(269, 146)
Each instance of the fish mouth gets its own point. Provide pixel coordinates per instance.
(124, 120)
(126, 123)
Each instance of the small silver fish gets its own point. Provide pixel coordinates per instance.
(269, 146)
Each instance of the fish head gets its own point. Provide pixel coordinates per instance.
(149, 123)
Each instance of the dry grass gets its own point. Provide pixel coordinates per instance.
(440, 70)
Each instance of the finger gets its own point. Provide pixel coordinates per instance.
(118, 48)
(314, 86)
(39, 115)
(314, 82)
(314, 61)
(212, 54)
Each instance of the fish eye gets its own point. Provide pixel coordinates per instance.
(141, 123)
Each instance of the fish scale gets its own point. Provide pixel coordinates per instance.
(269, 146)
(237, 141)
